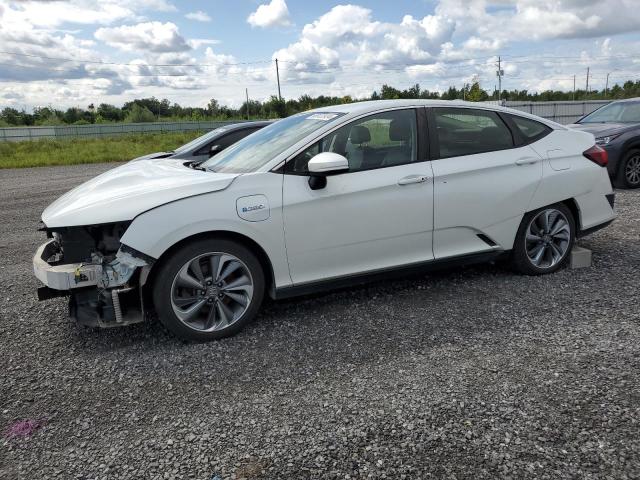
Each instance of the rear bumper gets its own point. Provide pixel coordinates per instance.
(589, 231)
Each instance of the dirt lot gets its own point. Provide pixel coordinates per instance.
(468, 373)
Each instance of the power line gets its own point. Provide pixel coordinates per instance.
(102, 62)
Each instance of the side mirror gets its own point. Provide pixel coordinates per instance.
(328, 162)
(324, 164)
(214, 149)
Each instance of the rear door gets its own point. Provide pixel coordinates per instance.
(483, 181)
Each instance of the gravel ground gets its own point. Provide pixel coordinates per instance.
(468, 373)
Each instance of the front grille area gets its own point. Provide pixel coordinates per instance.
(77, 244)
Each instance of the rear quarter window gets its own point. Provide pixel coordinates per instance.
(530, 130)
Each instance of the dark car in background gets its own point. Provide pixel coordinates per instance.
(213, 142)
(616, 127)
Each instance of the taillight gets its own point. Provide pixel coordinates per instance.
(597, 155)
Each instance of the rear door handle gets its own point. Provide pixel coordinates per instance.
(527, 161)
(413, 179)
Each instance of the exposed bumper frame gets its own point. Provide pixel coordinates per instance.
(97, 289)
(63, 277)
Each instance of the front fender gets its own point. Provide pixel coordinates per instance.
(157, 230)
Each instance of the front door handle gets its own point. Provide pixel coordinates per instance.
(527, 160)
(413, 179)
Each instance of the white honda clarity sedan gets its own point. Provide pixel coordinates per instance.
(325, 198)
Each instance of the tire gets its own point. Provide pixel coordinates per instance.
(628, 174)
(541, 224)
(193, 305)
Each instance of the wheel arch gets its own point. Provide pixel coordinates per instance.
(573, 207)
(570, 203)
(244, 240)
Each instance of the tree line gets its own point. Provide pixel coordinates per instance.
(153, 109)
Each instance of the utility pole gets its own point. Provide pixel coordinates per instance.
(500, 73)
(606, 86)
(278, 77)
(574, 87)
(246, 90)
(587, 87)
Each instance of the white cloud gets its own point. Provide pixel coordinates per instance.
(52, 14)
(198, 16)
(347, 34)
(220, 64)
(273, 14)
(345, 51)
(196, 43)
(510, 20)
(149, 36)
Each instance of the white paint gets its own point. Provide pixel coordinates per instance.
(254, 208)
(361, 221)
(130, 189)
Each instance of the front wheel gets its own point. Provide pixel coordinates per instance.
(544, 240)
(209, 289)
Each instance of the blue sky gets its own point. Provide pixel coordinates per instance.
(76, 52)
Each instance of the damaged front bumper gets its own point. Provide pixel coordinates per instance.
(102, 293)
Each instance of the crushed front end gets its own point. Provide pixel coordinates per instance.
(102, 277)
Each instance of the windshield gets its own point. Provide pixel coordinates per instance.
(201, 139)
(254, 151)
(623, 112)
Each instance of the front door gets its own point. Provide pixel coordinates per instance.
(377, 215)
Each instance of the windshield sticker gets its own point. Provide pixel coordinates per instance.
(322, 116)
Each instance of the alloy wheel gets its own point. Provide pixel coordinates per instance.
(632, 170)
(211, 292)
(548, 238)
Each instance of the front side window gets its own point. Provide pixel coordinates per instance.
(381, 140)
(464, 131)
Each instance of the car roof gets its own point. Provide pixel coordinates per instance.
(370, 106)
(627, 100)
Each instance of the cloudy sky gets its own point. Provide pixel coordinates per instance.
(75, 52)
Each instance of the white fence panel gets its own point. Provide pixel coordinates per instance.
(105, 129)
(561, 112)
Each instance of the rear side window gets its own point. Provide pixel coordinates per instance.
(530, 129)
(464, 131)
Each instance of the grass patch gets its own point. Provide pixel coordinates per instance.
(49, 152)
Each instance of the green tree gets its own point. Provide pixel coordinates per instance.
(110, 113)
(139, 114)
(213, 108)
(476, 94)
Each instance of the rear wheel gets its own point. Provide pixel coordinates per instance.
(209, 289)
(628, 175)
(544, 240)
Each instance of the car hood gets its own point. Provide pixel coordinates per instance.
(603, 129)
(151, 156)
(128, 190)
